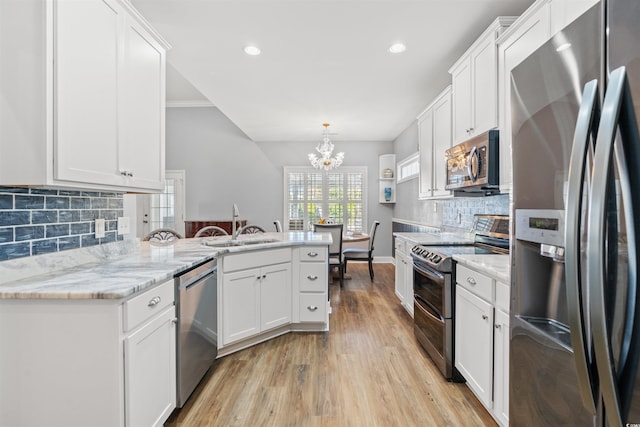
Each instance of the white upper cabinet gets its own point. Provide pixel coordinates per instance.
(474, 78)
(434, 138)
(532, 29)
(524, 36)
(94, 103)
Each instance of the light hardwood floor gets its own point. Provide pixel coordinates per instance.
(367, 371)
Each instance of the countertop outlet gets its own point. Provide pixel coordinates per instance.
(100, 228)
(123, 225)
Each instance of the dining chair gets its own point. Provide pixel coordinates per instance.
(251, 229)
(335, 250)
(278, 226)
(210, 231)
(356, 254)
(162, 235)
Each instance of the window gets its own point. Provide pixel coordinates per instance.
(408, 168)
(163, 210)
(337, 195)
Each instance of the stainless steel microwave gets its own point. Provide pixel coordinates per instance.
(473, 168)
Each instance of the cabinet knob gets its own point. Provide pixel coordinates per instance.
(174, 321)
(312, 307)
(471, 280)
(312, 254)
(485, 317)
(123, 173)
(498, 326)
(312, 277)
(264, 276)
(130, 174)
(154, 301)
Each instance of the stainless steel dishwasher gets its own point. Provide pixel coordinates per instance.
(197, 340)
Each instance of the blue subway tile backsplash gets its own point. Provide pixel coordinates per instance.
(41, 220)
(458, 212)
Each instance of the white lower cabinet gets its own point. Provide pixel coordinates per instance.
(474, 335)
(404, 275)
(501, 367)
(313, 285)
(482, 339)
(255, 299)
(94, 362)
(150, 371)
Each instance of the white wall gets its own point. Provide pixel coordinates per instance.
(408, 207)
(223, 166)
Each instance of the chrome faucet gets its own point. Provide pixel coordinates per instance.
(234, 226)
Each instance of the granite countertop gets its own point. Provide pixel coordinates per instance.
(496, 266)
(437, 239)
(120, 269)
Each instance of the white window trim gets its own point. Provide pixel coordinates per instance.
(346, 169)
(413, 159)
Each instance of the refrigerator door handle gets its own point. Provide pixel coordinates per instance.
(617, 113)
(586, 126)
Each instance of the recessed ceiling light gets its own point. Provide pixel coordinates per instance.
(252, 50)
(397, 48)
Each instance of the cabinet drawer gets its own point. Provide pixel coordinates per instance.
(400, 245)
(475, 282)
(313, 307)
(255, 259)
(313, 277)
(146, 305)
(313, 253)
(502, 296)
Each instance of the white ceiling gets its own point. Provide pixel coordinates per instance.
(322, 60)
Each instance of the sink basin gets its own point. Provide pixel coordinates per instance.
(241, 242)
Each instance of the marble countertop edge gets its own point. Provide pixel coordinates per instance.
(495, 266)
(122, 269)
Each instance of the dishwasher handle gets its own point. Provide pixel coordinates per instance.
(185, 280)
(199, 279)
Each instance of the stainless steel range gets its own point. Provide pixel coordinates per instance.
(434, 288)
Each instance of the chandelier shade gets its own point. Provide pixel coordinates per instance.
(325, 159)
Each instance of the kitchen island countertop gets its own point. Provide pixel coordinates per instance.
(120, 269)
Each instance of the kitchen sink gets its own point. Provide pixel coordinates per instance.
(240, 242)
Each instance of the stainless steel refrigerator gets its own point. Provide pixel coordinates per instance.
(575, 308)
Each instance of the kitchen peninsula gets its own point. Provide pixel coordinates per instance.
(78, 331)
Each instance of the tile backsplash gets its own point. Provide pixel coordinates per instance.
(458, 212)
(35, 221)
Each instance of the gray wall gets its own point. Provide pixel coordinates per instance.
(438, 213)
(224, 166)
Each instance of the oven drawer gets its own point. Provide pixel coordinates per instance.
(435, 335)
(475, 282)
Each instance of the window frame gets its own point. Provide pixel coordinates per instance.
(344, 170)
(413, 159)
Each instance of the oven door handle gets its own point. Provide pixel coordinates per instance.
(432, 274)
(425, 307)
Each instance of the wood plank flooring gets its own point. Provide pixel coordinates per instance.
(367, 371)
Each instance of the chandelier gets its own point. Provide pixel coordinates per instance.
(325, 149)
